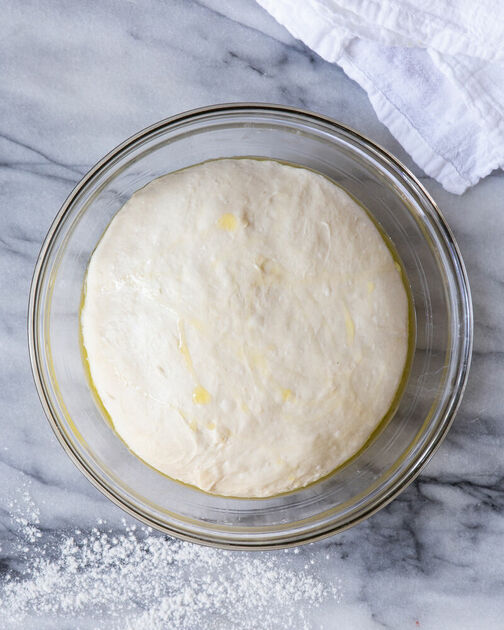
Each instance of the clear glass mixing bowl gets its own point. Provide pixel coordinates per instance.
(441, 304)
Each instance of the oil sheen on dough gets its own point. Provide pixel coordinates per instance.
(246, 326)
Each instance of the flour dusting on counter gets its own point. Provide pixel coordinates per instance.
(136, 579)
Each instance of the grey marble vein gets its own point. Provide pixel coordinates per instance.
(79, 77)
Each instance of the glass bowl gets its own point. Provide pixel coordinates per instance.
(441, 305)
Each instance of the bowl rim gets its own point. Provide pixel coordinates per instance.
(450, 407)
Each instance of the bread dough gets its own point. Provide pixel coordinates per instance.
(246, 326)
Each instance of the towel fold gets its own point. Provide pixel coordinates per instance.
(433, 71)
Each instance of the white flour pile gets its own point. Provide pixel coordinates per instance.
(135, 579)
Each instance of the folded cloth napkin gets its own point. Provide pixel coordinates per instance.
(433, 71)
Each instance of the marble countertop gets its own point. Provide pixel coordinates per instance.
(76, 79)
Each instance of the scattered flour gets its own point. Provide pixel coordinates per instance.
(137, 579)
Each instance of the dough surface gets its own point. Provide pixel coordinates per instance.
(246, 326)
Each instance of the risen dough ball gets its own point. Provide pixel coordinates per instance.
(246, 326)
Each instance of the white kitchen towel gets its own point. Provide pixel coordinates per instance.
(433, 71)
